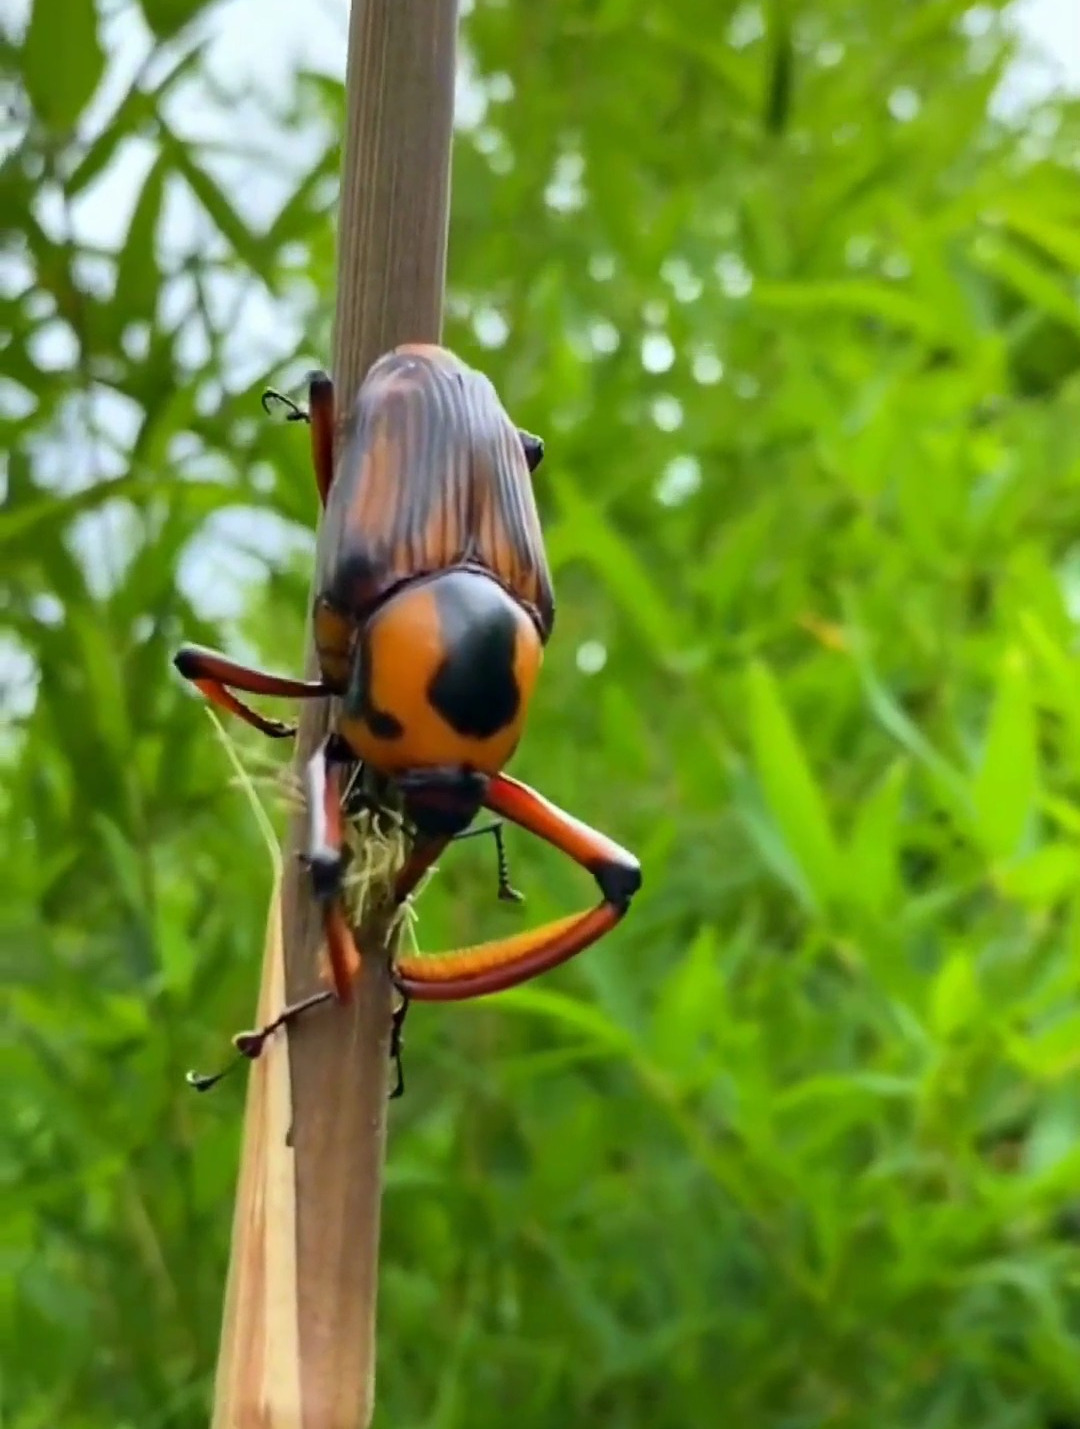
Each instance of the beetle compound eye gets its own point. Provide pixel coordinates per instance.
(533, 447)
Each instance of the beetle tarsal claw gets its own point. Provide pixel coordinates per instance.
(279, 407)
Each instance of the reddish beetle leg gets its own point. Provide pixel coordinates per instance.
(321, 416)
(326, 858)
(492, 967)
(211, 673)
(326, 861)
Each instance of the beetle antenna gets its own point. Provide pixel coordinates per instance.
(533, 448)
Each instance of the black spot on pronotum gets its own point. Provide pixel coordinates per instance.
(474, 689)
(533, 447)
(384, 725)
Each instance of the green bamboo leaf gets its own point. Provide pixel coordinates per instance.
(791, 791)
(857, 297)
(949, 782)
(62, 59)
(1043, 289)
(689, 1006)
(106, 690)
(168, 17)
(1052, 1054)
(585, 533)
(1060, 671)
(872, 876)
(294, 221)
(1007, 785)
(32, 523)
(126, 866)
(137, 276)
(1059, 241)
(954, 995)
(781, 71)
(232, 227)
(664, 27)
(763, 833)
(137, 108)
(1044, 877)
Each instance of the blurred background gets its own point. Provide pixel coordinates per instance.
(793, 293)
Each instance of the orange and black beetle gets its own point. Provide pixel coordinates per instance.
(433, 607)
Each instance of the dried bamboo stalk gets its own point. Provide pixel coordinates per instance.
(298, 1335)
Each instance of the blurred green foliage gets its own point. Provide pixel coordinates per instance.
(798, 317)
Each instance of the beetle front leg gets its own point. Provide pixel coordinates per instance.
(216, 676)
(326, 857)
(320, 418)
(326, 861)
(492, 967)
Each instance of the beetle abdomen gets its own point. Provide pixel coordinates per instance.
(442, 676)
(433, 475)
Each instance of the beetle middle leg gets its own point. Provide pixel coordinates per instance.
(507, 893)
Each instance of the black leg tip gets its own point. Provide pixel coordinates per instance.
(186, 660)
(326, 867)
(618, 881)
(278, 729)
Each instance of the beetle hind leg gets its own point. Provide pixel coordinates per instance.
(326, 858)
